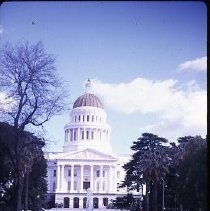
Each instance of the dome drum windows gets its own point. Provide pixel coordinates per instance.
(82, 132)
(71, 134)
(87, 135)
(92, 135)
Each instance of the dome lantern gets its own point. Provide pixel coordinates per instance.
(88, 86)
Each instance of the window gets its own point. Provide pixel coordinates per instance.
(75, 173)
(118, 174)
(75, 118)
(69, 185)
(69, 172)
(75, 135)
(54, 186)
(118, 184)
(97, 186)
(88, 118)
(105, 201)
(83, 135)
(103, 173)
(92, 134)
(79, 118)
(83, 118)
(92, 118)
(87, 134)
(97, 173)
(75, 185)
(54, 173)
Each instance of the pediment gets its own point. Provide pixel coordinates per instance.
(88, 154)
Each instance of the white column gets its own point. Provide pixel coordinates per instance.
(100, 203)
(100, 134)
(84, 134)
(110, 179)
(81, 178)
(62, 177)
(101, 179)
(72, 178)
(91, 177)
(89, 137)
(58, 178)
(81, 202)
(78, 134)
(69, 135)
(71, 202)
(114, 180)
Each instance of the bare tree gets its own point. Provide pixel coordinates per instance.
(34, 94)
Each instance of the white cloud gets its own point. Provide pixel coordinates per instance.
(180, 111)
(199, 64)
(5, 102)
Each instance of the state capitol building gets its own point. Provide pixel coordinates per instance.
(87, 160)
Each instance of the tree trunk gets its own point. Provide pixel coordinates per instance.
(26, 192)
(154, 196)
(19, 193)
(147, 196)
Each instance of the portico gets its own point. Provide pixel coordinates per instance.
(76, 177)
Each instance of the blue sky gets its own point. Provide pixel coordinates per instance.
(146, 60)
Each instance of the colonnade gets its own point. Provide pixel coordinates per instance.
(83, 133)
(105, 180)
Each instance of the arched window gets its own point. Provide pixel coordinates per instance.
(95, 203)
(83, 135)
(84, 202)
(66, 202)
(76, 202)
(75, 134)
(105, 201)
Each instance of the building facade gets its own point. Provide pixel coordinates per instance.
(87, 160)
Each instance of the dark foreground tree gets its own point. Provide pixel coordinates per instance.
(34, 94)
(192, 171)
(37, 187)
(30, 156)
(149, 164)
